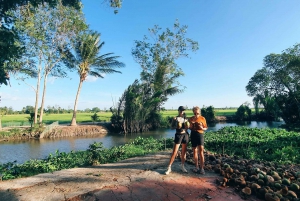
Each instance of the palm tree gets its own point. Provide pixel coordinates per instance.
(87, 61)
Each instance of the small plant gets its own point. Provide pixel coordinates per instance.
(31, 119)
(95, 117)
(94, 151)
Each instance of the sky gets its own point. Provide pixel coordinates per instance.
(234, 36)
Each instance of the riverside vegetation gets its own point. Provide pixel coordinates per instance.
(276, 145)
(257, 162)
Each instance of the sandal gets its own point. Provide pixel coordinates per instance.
(195, 170)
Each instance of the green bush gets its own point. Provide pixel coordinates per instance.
(208, 113)
(243, 113)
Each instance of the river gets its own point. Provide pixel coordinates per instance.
(24, 150)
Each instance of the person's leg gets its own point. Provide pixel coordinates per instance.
(174, 153)
(195, 153)
(183, 153)
(201, 153)
(183, 156)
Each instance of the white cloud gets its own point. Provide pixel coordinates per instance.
(51, 80)
(9, 97)
(91, 79)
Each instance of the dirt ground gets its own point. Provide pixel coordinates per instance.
(139, 178)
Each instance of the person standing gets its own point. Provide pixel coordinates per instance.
(198, 126)
(180, 123)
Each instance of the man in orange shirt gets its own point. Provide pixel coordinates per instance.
(198, 126)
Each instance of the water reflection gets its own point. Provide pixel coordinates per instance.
(39, 149)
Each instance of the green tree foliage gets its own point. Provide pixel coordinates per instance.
(44, 30)
(87, 61)
(95, 109)
(28, 109)
(208, 113)
(95, 117)
(140, 104)
(243, 113)
(10, 48)
(31, 119)
(276, 85)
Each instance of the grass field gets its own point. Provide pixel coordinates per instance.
(22, 119)
(50, 118)
(219, 112)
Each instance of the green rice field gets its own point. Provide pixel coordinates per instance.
(219, 112)
(22, 119)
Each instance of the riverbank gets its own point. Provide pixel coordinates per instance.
(56, 132)
(139, 178)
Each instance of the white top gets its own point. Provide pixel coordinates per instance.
(181, 119)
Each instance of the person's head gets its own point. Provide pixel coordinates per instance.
(181, 109)
(196, 110)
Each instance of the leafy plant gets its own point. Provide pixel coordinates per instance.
(208, 113)
(95, 117)
(243, 113)
(276, 145)
(31, 119)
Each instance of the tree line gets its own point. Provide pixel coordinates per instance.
(49, 110)
(276, 86)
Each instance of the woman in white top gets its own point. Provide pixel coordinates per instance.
(180, 123)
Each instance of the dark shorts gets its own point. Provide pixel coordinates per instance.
(197, 139)
(181, 138)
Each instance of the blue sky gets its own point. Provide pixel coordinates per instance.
(233, 35)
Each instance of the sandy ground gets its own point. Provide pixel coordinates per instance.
(139, 178)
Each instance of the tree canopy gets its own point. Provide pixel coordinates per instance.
(10, 48)
(277, 85)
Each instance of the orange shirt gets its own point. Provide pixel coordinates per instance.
(195, 122)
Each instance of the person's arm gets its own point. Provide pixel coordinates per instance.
(191, 123)
(187, 123)
(173, 124)
(203, 125)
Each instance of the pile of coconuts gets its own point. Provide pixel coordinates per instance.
(265, 180)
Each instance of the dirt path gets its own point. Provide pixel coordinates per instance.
(139, 178)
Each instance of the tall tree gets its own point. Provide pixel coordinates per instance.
(10, 48)
(45, 29)
(159, 76)
(87, 61)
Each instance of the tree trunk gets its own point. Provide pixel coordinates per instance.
(73, 121)
(43, 99)
(37, 92)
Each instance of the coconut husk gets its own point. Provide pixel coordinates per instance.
(271, 197)
(246, 191)
(292, 194)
